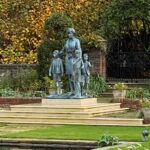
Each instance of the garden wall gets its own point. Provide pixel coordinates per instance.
(12, 68)
(97, 59)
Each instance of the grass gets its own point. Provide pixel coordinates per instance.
(3, 124)
(80, 132)
(83, 132)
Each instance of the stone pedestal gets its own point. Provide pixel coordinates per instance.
(70, 102)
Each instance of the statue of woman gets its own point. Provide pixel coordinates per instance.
(70, 47)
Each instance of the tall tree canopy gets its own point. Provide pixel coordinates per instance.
(120, 16)
(21, 23)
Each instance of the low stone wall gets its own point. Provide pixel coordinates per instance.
(13, 68)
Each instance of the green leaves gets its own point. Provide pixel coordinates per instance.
(56, 26)
(108, 140)
(97, 85)
(120, 13)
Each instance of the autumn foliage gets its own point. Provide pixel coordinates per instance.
(22, 21)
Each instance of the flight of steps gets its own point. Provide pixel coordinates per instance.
(66, 114)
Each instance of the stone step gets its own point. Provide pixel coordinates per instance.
(79, 121)
(99, 106)
(113, 111)
(35, 114)
(107, 94)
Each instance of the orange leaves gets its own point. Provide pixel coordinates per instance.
(22, 28)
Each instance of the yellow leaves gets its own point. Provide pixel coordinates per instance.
(24, 32)
(78, 6)
(95, 40)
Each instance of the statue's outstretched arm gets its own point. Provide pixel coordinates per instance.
(50, 70)
(89, 64)
(62, 68)
(62, 51)
(78, 45)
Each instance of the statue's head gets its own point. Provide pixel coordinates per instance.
(77, 53)
(55, 53)
(85, 56)
(71, 32)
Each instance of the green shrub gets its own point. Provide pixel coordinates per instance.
(135, 93)
(48, 84)
(24, 80)
(27, 94)
(39, 94)
(7, 92)
(54, 35)
(6, 81)
(108, 140)
(97, 85)
(120, 86)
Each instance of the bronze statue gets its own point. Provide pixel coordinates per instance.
(74, 65)
(56, 70)
(71, 45)
(76, 74)
(86, 74)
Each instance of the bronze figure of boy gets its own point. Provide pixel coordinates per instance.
(56, 70)
(86, 74)
(76, 74)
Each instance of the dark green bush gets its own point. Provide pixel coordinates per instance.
(54, 35)
(97, 85)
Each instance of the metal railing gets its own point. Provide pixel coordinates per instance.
(131, 65)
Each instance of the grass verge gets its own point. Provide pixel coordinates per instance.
(81, 132)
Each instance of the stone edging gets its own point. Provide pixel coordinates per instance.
(44, 143)
(41, 143)
(121, 144)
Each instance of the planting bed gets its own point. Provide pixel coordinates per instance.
(18, 101)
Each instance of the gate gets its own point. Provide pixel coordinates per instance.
(128, 65)
(129, 54)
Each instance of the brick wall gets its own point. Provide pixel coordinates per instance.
(98, 61)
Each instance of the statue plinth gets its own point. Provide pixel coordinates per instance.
(70, 102)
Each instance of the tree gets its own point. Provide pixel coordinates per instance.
(55, 28)
(121, 16)
(22, 23)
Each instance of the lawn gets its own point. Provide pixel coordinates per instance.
(82, 132)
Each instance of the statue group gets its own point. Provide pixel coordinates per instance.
(77, 68)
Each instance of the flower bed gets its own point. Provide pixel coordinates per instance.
(19, 101)
(131, 104)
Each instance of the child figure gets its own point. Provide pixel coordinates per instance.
(56, 70)
(76, 74)
(86, 74)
